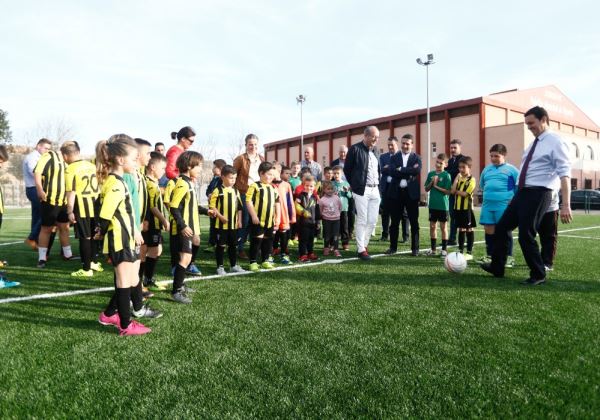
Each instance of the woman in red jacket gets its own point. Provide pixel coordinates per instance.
(185, 138)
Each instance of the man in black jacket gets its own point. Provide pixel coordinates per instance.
(362, 172)
(404, 193)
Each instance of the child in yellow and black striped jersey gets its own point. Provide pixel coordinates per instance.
(463, 188)
(263, 207)
(186, 214)
(122, 237)
(155, 218)
(225, 201)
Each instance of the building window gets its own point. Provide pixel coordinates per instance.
(574, 151)
(573, 184)
(589, 153)
(588, 184)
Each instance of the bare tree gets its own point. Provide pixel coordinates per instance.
(236, 144)
(208, 148)
(57, 130)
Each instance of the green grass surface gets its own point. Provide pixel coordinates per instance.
(395, 337)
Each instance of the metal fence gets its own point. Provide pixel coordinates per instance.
(14, 195)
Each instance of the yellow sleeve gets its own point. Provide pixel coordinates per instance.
(41, 163)
(471, 186)
(70, 178)
(113, 193)
(168, 191)
(212, 202)
(179, 193)
(250, 193)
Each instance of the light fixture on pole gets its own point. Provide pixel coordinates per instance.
(427, 64)
(300, 100)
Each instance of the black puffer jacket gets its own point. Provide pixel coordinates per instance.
(357, 165)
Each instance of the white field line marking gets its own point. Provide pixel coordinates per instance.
(580, 237)
(11, 243)
(214, 276)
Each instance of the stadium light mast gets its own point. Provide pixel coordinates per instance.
(300, 100)
(427, 64)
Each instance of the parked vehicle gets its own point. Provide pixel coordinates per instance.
(581, 198)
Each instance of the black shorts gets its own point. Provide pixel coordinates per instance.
(258, 230)
(85, 226)
(184, 244)
(124, 255)
(465, 219)
(51, 215)
(226, 237)
(152, 238)
(438, 215)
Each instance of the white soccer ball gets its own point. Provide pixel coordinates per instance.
(455, 262)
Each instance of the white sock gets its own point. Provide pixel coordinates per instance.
(67, 251)
(42, 252)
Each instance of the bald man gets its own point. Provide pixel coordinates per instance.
(309, 162)
(363, 173)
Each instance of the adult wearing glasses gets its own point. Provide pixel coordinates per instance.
(185, 138)
(246, 166)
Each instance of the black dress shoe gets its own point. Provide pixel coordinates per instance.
(414, 253)
(488, 267)
(452, 243)
(383, 238)
(390, 251)
(404, 240)
(533, 282)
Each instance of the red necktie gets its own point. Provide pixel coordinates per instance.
(523, 173)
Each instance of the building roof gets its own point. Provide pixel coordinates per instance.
(559, 107)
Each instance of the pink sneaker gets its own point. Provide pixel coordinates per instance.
(109, 320)
(325, 252)
(134, 328)
(337, 253)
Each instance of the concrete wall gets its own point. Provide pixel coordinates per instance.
(512, 136)
(467, 129)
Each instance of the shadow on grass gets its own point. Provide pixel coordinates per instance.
(428, 272)
(14, 313)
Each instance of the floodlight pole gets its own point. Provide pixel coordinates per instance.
(300, 100)
(427, 64)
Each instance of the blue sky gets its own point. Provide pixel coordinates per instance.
(227, 68)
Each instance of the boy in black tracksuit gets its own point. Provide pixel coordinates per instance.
(307, 216)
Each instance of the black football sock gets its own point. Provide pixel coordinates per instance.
(85, 250)
(510, 245)
(149, 269)
(137, 296)
(141, 270)
(433, 244)
(489, 240)
(111, 309)
(470, 240)
(444, 244)
(254, 247)
(195, 249)
(220, 254)
(461, 241)
(232, 251)
(178, 278)
(266, 248)
(123, 298)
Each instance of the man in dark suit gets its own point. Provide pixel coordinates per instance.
(452, 169)
(384, 183)
(404, 193)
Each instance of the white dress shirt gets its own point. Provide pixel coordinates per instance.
(404, 182)
(372, 173)
(549, 163)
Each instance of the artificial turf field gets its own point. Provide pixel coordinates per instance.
(395, 337)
